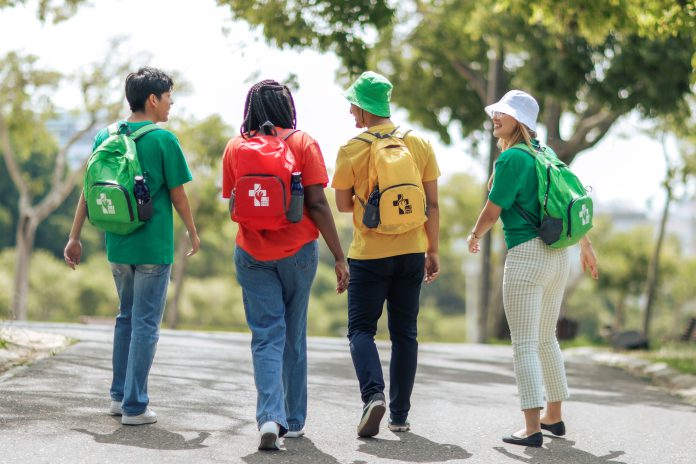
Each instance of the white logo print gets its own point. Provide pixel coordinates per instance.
(260, 198)
(584, 215)
(106, 204)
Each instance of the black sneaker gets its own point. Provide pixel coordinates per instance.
(399, 426)
(372, 415)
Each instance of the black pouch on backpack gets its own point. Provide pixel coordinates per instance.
(371, 214)
(145, 210)
(550, 229)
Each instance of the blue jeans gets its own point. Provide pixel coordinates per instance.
(142, 290)
(276, 296)
(397, 280)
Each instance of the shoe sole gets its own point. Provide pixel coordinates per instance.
(269, 442)
(139, 421)
(369, 425)
(399, 428)
(294, 434)
(115, 413)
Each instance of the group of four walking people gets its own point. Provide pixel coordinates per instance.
(276, 268)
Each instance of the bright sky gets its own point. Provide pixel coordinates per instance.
(221, 59)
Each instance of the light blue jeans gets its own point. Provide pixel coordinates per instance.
(142, 291)
(276, 296)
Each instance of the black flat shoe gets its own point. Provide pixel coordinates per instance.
(557, 429)
(535, 440)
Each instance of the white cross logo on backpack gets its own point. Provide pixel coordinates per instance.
(584, 215)
(260, 198)
(106, 204)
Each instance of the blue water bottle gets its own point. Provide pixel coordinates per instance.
(296, 198)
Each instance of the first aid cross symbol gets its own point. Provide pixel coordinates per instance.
(106, 204)
(259, 195)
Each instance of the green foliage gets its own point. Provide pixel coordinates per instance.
(48, 10)
(322, 24)
(680, 356)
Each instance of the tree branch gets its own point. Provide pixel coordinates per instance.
(474, 77)
(552, 121)
(61, 158)
(11, 160)
(598, 122)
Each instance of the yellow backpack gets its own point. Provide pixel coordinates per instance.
(396, 202)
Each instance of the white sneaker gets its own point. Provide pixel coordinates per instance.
(148, 417)
(294, 434)
(115, 409)
(268, 434)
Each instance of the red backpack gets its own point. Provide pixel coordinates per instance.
(261, 196)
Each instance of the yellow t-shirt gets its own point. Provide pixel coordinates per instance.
(351, 173)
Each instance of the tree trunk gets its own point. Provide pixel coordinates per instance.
(26, 233)
(619, 314)
(654, 269)
(494, 92)
(178, 279)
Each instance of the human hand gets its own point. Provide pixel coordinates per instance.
(195, 244)
(473, 242)
(342, 276)
(588, 260)
(432, 266)
(72, 253)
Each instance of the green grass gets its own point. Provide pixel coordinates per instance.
(3, 344)
(680, 356)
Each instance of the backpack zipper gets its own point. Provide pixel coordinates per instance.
(570, 217)
(125, 192)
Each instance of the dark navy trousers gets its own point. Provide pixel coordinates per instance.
(396, 280)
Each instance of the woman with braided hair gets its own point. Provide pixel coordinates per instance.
(276, 267)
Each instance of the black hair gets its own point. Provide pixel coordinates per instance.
(143, 83)
(268, 101)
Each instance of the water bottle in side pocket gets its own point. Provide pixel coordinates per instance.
(296, 198)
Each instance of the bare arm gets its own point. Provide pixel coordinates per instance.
(432, 231)
(181, 204)
(344, 200)
(320, 212)
(488, 217)
(73, 250)
(588, 259)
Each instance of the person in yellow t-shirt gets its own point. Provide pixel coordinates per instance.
(384, 267)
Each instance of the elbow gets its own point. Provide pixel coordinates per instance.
(344, 208)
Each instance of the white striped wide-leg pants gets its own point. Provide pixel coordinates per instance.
(533, 285)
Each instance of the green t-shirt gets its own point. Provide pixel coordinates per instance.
(516, 181)
(164, 168)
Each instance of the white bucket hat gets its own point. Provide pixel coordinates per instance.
(518, 104)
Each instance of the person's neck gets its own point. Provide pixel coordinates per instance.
(377, 122)
(142, 116)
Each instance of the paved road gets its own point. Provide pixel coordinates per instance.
(54, 411)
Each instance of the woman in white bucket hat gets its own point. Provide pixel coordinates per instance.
(535, 275)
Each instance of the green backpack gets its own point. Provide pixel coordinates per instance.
(565, 208)
(110, 179)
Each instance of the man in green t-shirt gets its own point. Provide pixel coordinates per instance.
(141, 261)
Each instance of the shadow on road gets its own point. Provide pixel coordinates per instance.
(561, 450)
(150, 437)
(297, 450)
(412, 448)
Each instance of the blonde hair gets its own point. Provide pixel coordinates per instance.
(521, 134)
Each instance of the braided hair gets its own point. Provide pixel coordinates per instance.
(268, 101)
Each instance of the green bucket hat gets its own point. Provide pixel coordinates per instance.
(371, 92)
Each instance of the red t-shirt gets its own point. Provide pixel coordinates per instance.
(269, 245)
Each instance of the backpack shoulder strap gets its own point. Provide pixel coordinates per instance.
(290, 132)
(144, 130)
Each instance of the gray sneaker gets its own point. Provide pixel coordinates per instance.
(115, 409)
(373, 412)
(268, 436)
(399, 426)
(148, 417)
